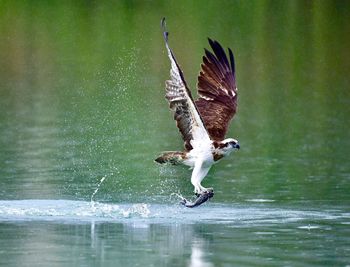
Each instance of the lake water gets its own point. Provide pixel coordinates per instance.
(83, 115)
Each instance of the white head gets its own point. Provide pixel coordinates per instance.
(227, 146)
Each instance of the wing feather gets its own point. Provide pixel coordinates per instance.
(217, 91)
(187, 117)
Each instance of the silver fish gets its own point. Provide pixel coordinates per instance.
(201, 198)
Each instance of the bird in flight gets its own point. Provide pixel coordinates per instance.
(203, 123)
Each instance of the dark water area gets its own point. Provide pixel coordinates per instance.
(83, 115)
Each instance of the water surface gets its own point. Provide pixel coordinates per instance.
(90, 233)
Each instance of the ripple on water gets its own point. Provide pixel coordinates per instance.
(69, 210)
(233, 215)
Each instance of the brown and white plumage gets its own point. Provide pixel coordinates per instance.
(217, 91)
(181, 102)
(203, 123)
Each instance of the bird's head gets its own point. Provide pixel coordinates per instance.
(228, 145)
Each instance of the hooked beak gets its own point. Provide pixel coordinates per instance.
(235, 145)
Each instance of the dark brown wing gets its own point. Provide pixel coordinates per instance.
(180, 100)
(217, 101)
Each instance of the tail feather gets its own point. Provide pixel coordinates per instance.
(172, 157)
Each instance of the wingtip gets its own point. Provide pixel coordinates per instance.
(211, 42)
(163, 26)
(162, 22)
(209, 55)
(215, 45)
(232, 59)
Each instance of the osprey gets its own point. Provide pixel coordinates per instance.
(204, 122)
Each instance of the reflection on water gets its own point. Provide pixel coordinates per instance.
(83, 115)
(198, 254)
(85, 233)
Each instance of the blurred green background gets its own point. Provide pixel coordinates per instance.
(82, 98)
(82, 101)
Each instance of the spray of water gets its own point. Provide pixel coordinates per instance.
(96, 190)
(177, 195)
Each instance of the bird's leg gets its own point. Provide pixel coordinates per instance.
(203, 190)
(198, 173)
(199, 189)
(206, 190)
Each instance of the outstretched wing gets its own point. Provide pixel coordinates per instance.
(217, 91)
(181, 102)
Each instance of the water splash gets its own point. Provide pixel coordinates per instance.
(234, 215)
(70, 210)
(178, 195)
(96, 190)
(141, 209)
